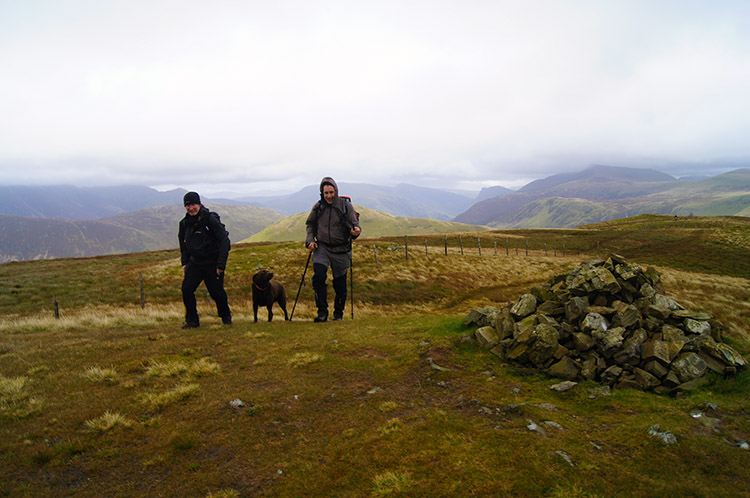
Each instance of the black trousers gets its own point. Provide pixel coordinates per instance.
(194, 275)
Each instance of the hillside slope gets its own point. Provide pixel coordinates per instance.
(374, 224)
(24, 238)
(611, 193)
(399, 200)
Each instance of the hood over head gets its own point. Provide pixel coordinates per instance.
(329, 181)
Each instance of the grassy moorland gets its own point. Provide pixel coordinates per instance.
(115, 400)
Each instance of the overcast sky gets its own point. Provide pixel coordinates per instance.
(269, 96)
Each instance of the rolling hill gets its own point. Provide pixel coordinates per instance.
(374, 224)
(601, 193)
(82, 203)
(400, 200)
(24, 238)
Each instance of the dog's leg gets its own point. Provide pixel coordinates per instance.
(270, 312)
(282, 304)
(255, 312)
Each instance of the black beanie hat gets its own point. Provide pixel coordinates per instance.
(191, 198)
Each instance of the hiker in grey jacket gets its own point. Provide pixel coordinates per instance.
(331, 226)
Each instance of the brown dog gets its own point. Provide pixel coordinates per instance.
(266, 292)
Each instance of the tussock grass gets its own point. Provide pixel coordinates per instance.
(392, 425)
(15, 399)
(108, 421)
(389, 483)
(92, 317)
(99, 374)
(304, 359)
(157, 400)
(224, 493)
(198, 368)
(388, 406)
(726, 298)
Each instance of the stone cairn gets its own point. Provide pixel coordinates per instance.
(607, 321)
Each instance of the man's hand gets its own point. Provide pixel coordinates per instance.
(355, 231)
(312, 246)
(219, 271)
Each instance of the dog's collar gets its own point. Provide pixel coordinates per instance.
(260, 288)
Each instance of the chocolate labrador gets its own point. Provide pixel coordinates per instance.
(266, 292)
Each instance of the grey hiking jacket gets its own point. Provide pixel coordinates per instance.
(329, 224)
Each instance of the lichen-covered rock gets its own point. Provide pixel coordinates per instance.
(594, 322)
(603, 281)
(645, 379)
(655, 350)
(610, 375)
(688, 366)
(566, 369)
(481, 317)
(504, 324)
(487, 337)
(525, 306)
(697, 327)
(583, 342)
(576, 308)
(729, 356)
(627, 316)
(544, 346)
(608, 342)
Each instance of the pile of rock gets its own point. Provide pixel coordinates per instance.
(611, 322)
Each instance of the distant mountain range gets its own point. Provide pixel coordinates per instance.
(602, 193)
(400, 200)
(93, 203)
(62, 221)
(24, 238)
(82, 203)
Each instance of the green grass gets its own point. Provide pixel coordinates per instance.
(113, 400)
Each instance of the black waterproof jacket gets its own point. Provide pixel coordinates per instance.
(203, 239)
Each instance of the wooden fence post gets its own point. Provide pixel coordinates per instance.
(495, 248)
(143, 295)
(445, 243)
(461, 244)
(406, 247)
(527, 246)
(425, 247)
(506, 245)
(545, 248)
(479, 245)
(55, 307)
(375, 250)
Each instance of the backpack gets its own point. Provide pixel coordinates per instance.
(347, 202)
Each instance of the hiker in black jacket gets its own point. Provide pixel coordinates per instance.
(204, 248)
(331, 226)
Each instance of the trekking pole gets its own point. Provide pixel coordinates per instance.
(300, 285)
(351, 278)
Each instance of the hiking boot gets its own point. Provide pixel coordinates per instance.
(227, 320)
(190, 325)
(322, 317)
(337, 316)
